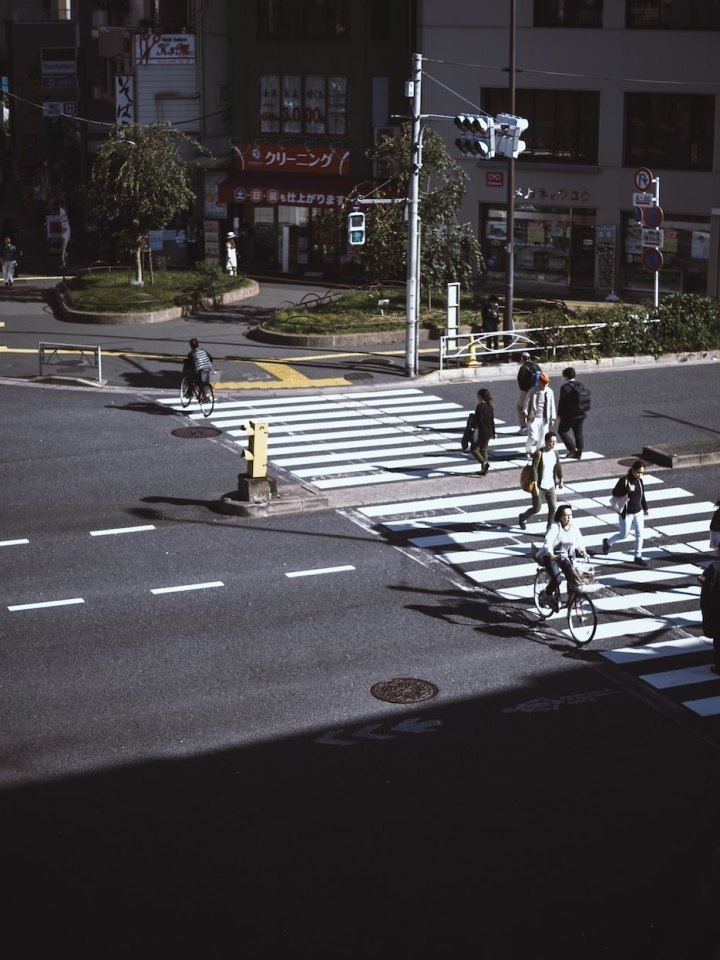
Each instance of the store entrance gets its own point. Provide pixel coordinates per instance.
(582, 254)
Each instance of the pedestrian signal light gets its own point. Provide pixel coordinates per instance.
(479, 139)
(508, 130)
(256, 451)
(356, 229)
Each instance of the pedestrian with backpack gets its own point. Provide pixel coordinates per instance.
(710, 606)
(527, 377)
(573, 407)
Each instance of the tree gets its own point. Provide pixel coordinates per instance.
(139, 182)
(448, 251)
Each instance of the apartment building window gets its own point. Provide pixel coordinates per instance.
(315, 105)
(563, 123)
(59, 9)
(673, 14)
(568, 13)
(670, 130)
(303, 19)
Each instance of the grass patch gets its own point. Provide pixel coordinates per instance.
(110, 291)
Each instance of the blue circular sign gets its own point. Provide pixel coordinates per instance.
(652, 259)
(652, 216)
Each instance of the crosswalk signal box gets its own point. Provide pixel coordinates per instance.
(256, 451)
(356, 229)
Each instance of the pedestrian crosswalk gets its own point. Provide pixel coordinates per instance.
(649, 621)
(340, 440)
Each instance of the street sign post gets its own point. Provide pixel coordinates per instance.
(643, 179)
(652, 259)
(652, 216)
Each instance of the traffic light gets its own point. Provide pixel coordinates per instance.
(356, 229)
(507, 136)
(479, 139)
(256, 451)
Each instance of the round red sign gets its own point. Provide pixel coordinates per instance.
(652, 216)
(643, 179)
(652, 259)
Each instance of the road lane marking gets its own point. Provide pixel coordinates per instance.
(107, 533)
(46, 603)
(314, 573)
(12, 543)
(188, 586)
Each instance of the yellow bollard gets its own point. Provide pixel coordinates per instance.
(472, 360)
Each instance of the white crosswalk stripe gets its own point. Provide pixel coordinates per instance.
(336, 440)
(649, 621)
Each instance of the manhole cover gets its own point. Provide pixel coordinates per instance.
(358, 376)
(196, 433)
(404, 690)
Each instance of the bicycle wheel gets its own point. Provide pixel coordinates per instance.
(582, 619)
(541, 582)
(185, 391)
(207, 398)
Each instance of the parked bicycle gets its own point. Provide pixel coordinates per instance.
(581, 613)
(193, 389)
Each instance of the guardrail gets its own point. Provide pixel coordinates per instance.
(56, 355)
(470, 348)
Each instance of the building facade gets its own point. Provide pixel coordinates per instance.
(610, 88)
(313, 84)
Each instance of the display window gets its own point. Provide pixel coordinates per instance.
(685, 251)
(553, 246)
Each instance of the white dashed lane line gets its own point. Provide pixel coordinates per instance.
(320, 570)
(108, 533)
(46, 603)
(188, 586)
(12, 543)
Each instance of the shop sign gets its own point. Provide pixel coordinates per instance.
(58, 67)
(56, 108)
(273, 196)
(494, 178)
(291, 158)
(152, 49)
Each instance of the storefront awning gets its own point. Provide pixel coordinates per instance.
(293, 190)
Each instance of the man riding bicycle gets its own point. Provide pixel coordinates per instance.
(563, 542)
(197, 365)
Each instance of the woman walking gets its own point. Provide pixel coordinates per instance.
(485, 427)
(632, 517)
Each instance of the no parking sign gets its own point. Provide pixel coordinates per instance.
(643, 179)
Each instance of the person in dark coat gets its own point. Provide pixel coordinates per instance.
(710, 606)
(490, 320)
(485, 427)
(571, 416)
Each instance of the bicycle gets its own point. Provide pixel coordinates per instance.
(192, 388)
(581, 613)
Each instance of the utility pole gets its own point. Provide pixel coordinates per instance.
(508, 323)
(414, 92)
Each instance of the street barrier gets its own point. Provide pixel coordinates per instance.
(64, 355)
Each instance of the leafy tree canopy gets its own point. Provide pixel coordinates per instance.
(139, 180)
(448, 251)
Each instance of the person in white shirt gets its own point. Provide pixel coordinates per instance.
(547, 475)
(563, 542)
(539, 413)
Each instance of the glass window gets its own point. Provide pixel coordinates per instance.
(563, 124)
(685, 250)
(302, 19)
(568, 13)
(294, 104)
(670, 130)
(673, 14)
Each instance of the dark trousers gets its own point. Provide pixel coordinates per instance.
(555, 569)
(568, 428)
(550, 499)
(480, 452)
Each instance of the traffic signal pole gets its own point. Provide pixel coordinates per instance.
(414, 90)
(508, 322)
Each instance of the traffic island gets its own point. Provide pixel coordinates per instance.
(700, 453)
(261, 497)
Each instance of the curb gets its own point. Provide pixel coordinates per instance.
(252, 289)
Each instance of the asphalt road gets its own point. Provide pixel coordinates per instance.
(207, 772)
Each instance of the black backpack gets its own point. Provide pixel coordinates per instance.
(583, 399)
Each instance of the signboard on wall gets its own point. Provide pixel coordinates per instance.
(153, 49)
(291, 158)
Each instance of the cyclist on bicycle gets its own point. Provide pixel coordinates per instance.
(197, 365)
(563, 542)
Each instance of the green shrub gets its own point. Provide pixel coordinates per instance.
(688, 321)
